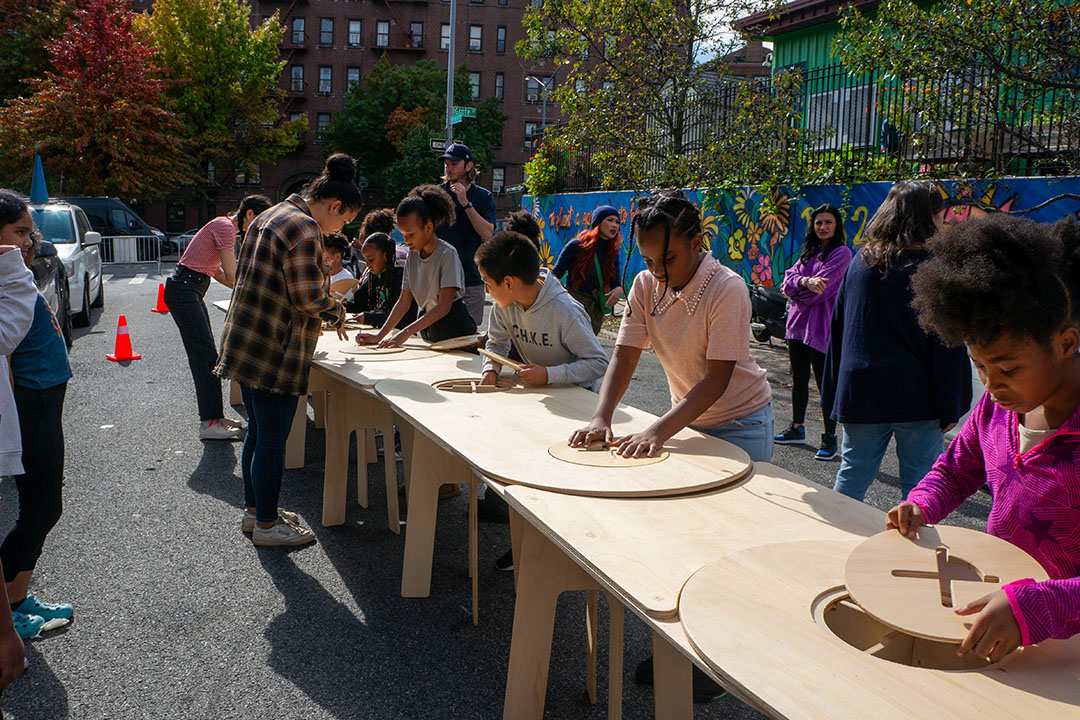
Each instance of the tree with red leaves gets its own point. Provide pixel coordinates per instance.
(99, 120)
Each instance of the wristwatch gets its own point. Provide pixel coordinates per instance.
(467, 205)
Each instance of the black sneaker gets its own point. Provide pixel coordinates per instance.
(506, 562)
(791, 436)
(705, 688)
(828, 448)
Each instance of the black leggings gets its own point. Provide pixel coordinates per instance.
(40, 486)
(456, 322)
(803, 358)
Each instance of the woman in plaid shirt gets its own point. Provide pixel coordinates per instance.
(281, 298)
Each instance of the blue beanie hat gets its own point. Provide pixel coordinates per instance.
(602, 212)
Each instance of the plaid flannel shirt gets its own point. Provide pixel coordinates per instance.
(281, 297)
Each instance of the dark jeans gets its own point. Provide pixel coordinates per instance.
(41, 484)
(184, 293)
(803, 358)
(262, 460)
(455, 323)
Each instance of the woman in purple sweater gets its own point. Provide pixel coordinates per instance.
(811, 284)
(1010, 290)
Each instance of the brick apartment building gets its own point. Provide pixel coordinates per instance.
(330, 44)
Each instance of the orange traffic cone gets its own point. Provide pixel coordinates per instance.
(123, 343)
(161, 306)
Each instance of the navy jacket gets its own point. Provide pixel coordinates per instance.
(881, 367)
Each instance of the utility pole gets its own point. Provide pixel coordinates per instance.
(450, 74)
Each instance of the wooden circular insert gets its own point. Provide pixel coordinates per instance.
(600, 454)
(471, 385)
(456, 343)
(915, 585)
(371, 350)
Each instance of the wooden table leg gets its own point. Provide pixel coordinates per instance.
(673, 686)
(294, 445)
(517, 524)
(615, 656)
(335, 475)
(592, 615)
(386, 424)
(545, 572)
(406, 432)
(235, 398)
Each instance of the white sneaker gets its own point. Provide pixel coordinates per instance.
(232, 423)
(282, 533)
(247, 523)
(216, 430)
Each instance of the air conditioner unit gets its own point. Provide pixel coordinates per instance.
(533, 97)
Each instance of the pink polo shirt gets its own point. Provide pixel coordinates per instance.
(709, 319)
(203, 253)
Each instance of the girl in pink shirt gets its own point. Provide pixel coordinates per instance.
(1010, 290)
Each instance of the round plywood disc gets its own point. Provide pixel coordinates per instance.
(600, 454)
(371, 350)
(915, 585)
(471, 385)
(456, 343)
(343, 287)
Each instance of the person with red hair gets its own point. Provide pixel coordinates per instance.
(589, 265)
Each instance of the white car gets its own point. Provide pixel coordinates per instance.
(79, 247)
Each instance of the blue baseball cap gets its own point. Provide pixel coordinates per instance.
(457, 151)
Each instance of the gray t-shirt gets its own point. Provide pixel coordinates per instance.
(425, 277)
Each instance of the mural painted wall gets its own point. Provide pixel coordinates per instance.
(759, 235)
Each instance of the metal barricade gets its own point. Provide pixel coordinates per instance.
(133, 249)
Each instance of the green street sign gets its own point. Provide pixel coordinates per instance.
(455, 118)
(465, 112)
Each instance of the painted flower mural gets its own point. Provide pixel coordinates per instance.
(762, 273)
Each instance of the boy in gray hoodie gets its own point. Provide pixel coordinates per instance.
(534, 313)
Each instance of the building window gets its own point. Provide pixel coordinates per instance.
(609, 45)
(477, 2)
(356, 33)
(580, 86)
(323, 121)
(326, 79)
(240, 179)
(296, 79)
(502, 3)
(256, 176)
(608, 85)
(530, 134)
(211, 172)
(298, 31)
(416, 34)
(474, 84)
(500, 81)
(174, 217)
(292, 118)
(536, 87)
(500, 40)
(476, 38)
(382, 33)
(444, 37)
(498, 179)
(352, 77)
(326, 31)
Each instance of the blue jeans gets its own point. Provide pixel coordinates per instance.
(918, 446)
(262, 460)
(753, 433)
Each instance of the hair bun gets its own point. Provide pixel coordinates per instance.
(340, 167)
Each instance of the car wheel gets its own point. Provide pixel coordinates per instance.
(82, 318)
(99, 301)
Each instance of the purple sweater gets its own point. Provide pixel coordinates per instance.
(810, 314)
(1036, 507)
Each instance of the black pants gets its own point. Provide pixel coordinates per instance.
(41, 484)
(456, 322)
(803, 358)
(184, 293)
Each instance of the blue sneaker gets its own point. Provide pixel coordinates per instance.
(55, 614)
(791, 436)
(828, 449)
(28, 626)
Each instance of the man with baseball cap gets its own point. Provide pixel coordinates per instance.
(474, 223)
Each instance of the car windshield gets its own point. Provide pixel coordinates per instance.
(54, 224)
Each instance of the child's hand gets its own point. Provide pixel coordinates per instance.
(995, 633)
(396, 341)
(596, 430)
(489, 378)
(533, 375)
(12, 657)
(613, 296)
(367, 339)
(643, 444)
(342, 333)
(906, 517)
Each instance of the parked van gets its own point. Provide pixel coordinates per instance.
(67, 228)
(113, 219)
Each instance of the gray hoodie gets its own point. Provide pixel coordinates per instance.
(555, 333)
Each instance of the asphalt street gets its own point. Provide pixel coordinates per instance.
(179, 616)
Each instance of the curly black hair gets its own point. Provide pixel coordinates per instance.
(999, 276)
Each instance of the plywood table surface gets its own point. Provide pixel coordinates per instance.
(749, 614)
(506, 436)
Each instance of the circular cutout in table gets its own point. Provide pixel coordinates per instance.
(456, 343)
(601, 455)
(472, 386)
(915, 585)
(372, 350)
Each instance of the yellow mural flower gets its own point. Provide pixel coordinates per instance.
(744, 207)
(737, 245)
(710, 229)
(545, 255)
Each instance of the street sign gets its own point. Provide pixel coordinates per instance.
(469, 112)
(455, 118)
(437, 144)
(514, 188)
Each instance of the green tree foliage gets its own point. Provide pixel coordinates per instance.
(26, 27)
(99, 121)
(392, 113)
(988, 76)
(223, 83)
(631, 79)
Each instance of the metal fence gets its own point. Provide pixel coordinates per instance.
(970, 124)
(131, 249)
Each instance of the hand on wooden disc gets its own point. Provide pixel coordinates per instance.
(906, 517)
(642, 444)
(397, 340)
(489, 378)
(594, 431)
(533, 375)
(995, 633)
(367, 339)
